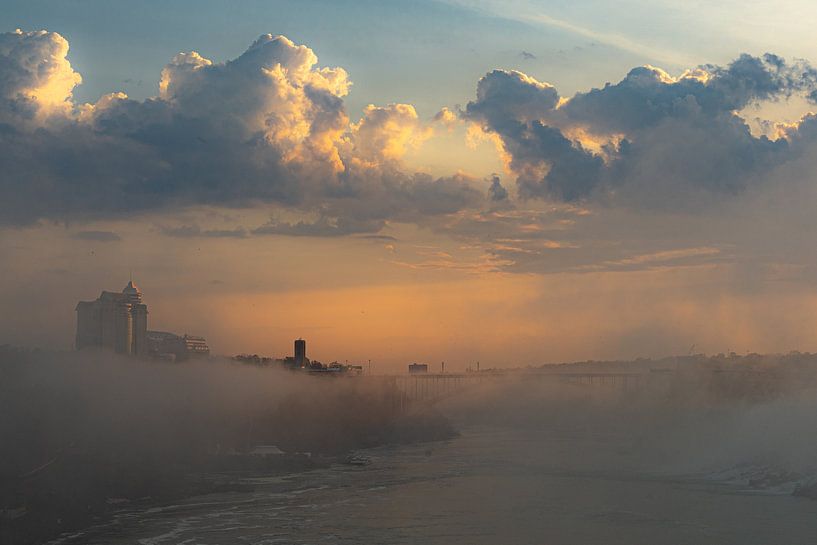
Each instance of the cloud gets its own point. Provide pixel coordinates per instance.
(649, 140)
(507, 97)
(387, 133)
(447, 118)
(648, 95)
(419, 198)
(97, 236)
(664, 258)
(36, 79)
(497, 191)
(194, 231)
(269, 126)
(380, 238)
(322, 227)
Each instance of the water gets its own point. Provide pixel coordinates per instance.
(488, 486)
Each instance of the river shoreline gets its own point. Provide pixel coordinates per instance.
(219, 474)
(85, 433)
(489, 485)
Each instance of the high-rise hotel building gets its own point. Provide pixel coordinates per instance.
(117, 321)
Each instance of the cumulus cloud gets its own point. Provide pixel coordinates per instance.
(387, 133)
(36, 79)
(497, 190)
(269, 126)
(507, 97)
(272, 93)
(650, 140)
(447, 118)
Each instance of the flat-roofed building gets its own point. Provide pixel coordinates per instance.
(165, 345)
(415, 368)
(300, 353)
(196, 347)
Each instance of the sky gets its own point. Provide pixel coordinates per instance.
(514, 183)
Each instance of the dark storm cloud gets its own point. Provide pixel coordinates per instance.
(651, 139)
(268, 126)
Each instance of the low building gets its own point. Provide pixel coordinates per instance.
(166, 345)
(415, 368)
(195, 347)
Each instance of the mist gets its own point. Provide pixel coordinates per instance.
(744, 420)
(87, 434)
(82, 429)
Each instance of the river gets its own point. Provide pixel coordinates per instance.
(490, 485)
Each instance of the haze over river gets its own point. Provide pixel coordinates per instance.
(491, 485)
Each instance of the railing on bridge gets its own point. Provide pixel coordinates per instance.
(432, 387)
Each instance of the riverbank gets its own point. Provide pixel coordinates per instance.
(68, 497)
(489, 485)
(84, 434)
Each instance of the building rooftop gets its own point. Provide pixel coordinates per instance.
(132, 291)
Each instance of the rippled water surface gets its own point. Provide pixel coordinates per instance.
(488, 486)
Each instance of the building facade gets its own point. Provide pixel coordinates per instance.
(117, 321)
(415, 368)
(169, 346)
(300, 353)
